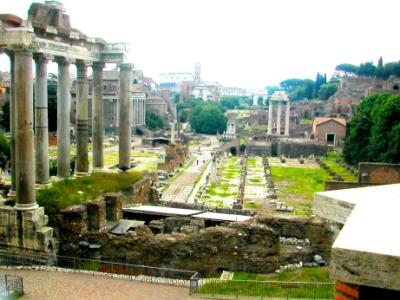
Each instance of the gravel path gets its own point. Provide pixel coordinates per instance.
(40, 285)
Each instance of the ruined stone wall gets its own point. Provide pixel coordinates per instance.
(235, 247)
(292, 148)
(259, 148)
(139, 192)
(314, 229)
(340, 185)
(378, 173)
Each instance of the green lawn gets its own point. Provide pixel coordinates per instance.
(317, 274)
(297, 186)
(333, 160)
(227, 189)
(308, 283)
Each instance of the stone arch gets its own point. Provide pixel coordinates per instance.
(396, 87)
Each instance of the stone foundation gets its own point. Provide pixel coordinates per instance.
(25, 230)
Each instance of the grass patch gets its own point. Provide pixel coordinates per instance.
(252, 205)
(221, 190)
(303, 182)
(73, 191)
(302, 283)
(318, 274)
(333, 160)
(297, 186)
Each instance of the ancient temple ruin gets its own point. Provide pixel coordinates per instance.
(48, 35)
(278, 99)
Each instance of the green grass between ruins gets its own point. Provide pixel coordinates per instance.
(70, 191)
(333, 160)
(317, 274)
(297, 186)
(249, 284)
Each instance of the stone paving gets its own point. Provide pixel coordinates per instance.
(179, 190)
(40, 285)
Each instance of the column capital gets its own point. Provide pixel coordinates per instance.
(42, 57)
(64, 60)
(20, 48)
(98, 66)
(126, 66)
(83, 63)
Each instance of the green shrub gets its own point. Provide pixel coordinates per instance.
(74, 191)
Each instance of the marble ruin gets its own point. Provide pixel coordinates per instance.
(48, 35)
(278, 99)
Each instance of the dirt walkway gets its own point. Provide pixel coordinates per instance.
(40, 285)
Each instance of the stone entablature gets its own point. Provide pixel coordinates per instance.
(48, 31)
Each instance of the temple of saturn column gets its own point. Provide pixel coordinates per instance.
(277, 100)
(47, 35)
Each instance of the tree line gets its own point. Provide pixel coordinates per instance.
(374, 132)
(369, 69)
(306, 89)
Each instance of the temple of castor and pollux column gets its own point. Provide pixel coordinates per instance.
(48, 35)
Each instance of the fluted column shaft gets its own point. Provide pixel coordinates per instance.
(278, 118)
(63, 119)
(287, 118)
(41, 121)
(13, 122)
(97, 109)
(25, 161)
(82, 157)
(270, 117)
(144, 112)
(125, 108)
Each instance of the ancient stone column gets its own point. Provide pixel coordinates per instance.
(144, 112)
(270, 117)
(255, 100)
(134, 107)
(137, 116)
(287, 118)
(82, 158)
(13, 121)
(25, 161)
(41, 121)
(173, 133)
(125, 107)
(63, 119)
(141, 111)
(97, 113)
(278, 118)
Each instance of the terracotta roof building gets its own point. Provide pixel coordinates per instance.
(329, 130)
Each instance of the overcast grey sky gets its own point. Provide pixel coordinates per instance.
(250, 44)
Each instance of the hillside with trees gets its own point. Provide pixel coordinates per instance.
(374, 132)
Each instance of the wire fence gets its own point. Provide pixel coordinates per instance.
(101, 268)
(249, 289)
(10, 285)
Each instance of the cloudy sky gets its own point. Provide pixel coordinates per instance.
(250, 44)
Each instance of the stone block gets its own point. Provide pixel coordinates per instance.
(33, 215)
(114, 203)
(96, 214)
(74, 219)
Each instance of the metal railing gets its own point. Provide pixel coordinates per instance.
(11, 285)
(101, 267)
(249, 289)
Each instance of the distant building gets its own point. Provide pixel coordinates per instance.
(171, 81)
(208, 91)
(329, 130)
(232, 92)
